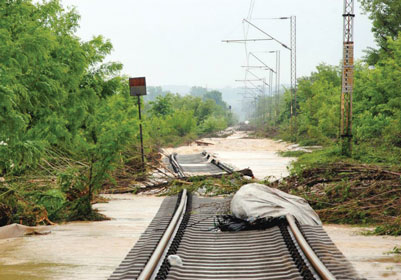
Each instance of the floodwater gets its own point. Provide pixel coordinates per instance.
(238, 150)
(92, 250)
(80, 250)
(368, 254)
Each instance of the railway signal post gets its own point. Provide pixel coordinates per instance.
(138, 88)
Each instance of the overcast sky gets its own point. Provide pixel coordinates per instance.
(178, 42)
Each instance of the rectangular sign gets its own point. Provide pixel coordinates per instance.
(137, 86)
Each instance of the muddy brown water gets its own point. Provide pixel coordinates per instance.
(261, 155)
(80, 250)
(92, 250)
(368, 254)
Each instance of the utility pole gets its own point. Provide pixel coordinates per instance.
(277, 84)
(347, 79)
(270, 98)
(293, 46)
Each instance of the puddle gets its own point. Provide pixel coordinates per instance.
(80, 250)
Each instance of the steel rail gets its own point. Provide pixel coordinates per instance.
(154, 260)
(320, 268)
(176, 166)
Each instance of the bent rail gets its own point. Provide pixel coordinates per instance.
(161, 247)
(320, 268)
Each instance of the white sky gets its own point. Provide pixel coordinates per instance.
(179, 41)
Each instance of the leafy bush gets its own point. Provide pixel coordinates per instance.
(212, 124)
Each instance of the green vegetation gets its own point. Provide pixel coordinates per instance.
(365, 188)
(396, 251)
(385, 15)
(209, 186)
(68, 124)
(175, 119)
(376, 98)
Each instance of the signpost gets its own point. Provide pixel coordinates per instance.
(138, 88)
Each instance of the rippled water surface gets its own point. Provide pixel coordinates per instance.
(80, 250)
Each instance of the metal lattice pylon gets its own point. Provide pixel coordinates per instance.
(347, 78)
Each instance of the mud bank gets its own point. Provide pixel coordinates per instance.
(80, 250)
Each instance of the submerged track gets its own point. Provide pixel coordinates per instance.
(185, 226)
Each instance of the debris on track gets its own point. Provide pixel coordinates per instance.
(351, 194)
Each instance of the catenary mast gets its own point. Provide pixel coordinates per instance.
(347, 78)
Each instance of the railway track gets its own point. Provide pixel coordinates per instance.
(198, 165)
(185, 227)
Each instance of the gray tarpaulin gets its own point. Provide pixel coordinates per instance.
(254, 201)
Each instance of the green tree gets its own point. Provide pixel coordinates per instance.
(162, 106)
(57, 94)
(198, 91)
(217, 96)
(386, 19)
(377, 99)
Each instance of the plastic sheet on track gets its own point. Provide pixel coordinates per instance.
(208, 254)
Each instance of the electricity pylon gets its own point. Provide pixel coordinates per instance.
(347, 78)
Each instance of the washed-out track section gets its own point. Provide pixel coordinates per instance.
(138, 256)
(210, 254)
(197, 165)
